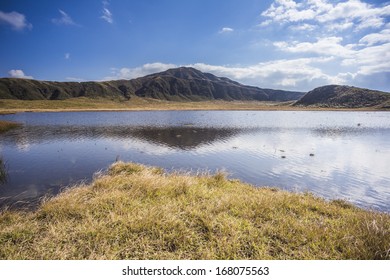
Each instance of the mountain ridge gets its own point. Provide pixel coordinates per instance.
(190, 84)
(176, 84)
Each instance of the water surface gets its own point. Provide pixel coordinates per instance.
(337, 155)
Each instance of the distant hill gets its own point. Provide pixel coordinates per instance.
(336, 96)
(178, 84)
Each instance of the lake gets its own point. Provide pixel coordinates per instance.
(335, 155)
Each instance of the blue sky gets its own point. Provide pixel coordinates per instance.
(281, 44)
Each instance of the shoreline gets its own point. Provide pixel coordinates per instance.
(100, 105)
(141, 212)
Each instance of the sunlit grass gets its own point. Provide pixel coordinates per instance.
(138, 212)
(136, 103)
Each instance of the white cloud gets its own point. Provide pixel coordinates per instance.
(299, 74)
(355, 35)
(16, 20)
(107, 15)
(366, 60)
(18, 74)
(74, 79)
(67, 55)
(339, 26)
(371, 60)
(288, 11)
(374, 38)
(303, 27)
(329, 46)
(339, 15)
(132, 73)
(65, 19)
(265, 23)
(226, 30)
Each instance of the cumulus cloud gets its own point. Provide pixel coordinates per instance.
(365, 59)
(303, 27)
(301, 73)
(375, 38)
(65, 19)
(330, 46)
(226, 30)
(337, 16)
(106, 13)
(16, 20)
(287, 11)
(355, 56)
(371, 60)
(18, 74)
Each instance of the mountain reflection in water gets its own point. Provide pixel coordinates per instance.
(185, 138)
(336, 155)
(17, 193)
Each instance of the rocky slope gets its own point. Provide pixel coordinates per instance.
(179, 84)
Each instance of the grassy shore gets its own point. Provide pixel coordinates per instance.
(139, 212)
(7, 125)
(87, 104)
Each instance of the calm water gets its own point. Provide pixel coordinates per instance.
(332, 154)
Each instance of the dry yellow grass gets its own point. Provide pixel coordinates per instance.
(138, 212)
(87, 104)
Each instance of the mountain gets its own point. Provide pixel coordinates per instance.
(336, 96)
(178, 84)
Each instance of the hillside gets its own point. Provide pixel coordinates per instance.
(179, 84)
(344, 97)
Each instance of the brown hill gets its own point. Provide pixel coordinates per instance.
(336, 96)
(179, 84)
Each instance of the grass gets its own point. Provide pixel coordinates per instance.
(136, 103)
(3, 172)
(7, 125)
(139, 212)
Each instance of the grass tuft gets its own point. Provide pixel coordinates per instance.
(140, 212)
(7, 125)
(3, 172)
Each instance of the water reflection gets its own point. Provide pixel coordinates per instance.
(326, 153)
(185, 138)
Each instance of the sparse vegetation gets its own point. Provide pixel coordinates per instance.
(336, 96)
(3, 172)
(144, 104)
(136, 103)
(139, 212)
(7, 125)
